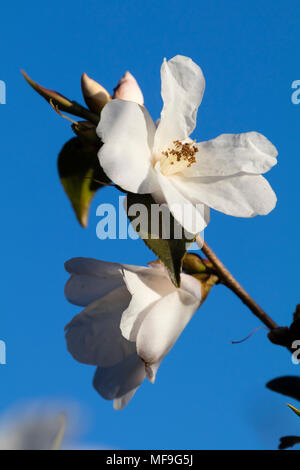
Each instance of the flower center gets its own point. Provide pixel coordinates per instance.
(176, 159)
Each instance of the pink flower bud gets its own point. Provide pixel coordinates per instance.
(128, 89)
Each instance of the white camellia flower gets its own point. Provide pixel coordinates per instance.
(222, 173)
(132, 319)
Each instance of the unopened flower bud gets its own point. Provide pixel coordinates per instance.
(86, 131)
(128, 89)
(202, 270)
(193, 264)
(95, 95)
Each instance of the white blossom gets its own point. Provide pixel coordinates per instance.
(132, 318)
(223, 173)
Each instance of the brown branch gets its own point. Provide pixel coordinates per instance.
(228, 280)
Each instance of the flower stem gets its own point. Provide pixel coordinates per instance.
(229, 281)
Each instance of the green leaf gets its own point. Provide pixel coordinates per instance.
(288, 385)
(294, 409)
(80, 174)
(170, 247)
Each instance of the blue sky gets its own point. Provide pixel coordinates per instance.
(209, 393)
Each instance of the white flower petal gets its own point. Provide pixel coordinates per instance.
(91, 279)
(146, 287)
(120, 403)
(83, 290)
(121, 379)
(151, 370)
(191, 285)
(230, 154)
(92, 267)
(163, 325)
(127, 131)
(239, 195)
(94, 336)
(191, 216)
(182, 91)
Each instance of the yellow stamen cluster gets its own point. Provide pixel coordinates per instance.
(176, 159)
